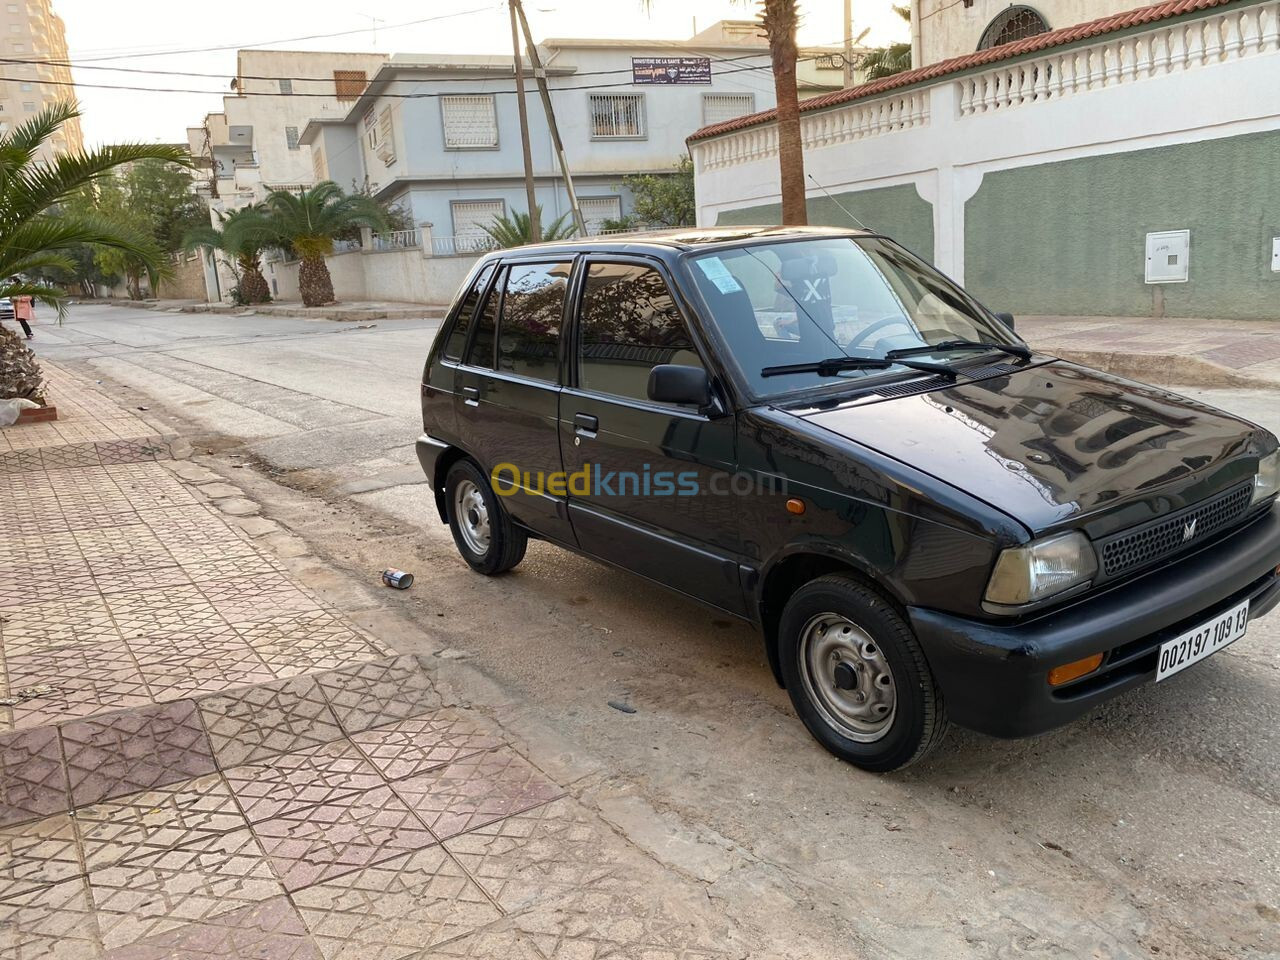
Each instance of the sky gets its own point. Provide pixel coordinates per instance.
(201, 38)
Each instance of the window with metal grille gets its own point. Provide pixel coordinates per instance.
(470, 122)
(1014, 23)
(286, 85)
(617, 115)
(349, 84)
(291, 137)
(29, 107)
(596, 210)
(719, 107)
(317, 162)
(470, 217)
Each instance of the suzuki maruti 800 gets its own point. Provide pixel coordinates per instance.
(814, 431)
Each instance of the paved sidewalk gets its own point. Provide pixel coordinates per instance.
(1206, 353)
(202, 759)
(352, 310)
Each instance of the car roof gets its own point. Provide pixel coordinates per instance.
(677, 239)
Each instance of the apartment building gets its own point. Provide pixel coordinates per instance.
(439, 134)
(31, 31)
(254, 144)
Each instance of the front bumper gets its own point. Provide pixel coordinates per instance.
(994, 676)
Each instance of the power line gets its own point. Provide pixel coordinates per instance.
(17, 61)
(384, 96)
(263, 43)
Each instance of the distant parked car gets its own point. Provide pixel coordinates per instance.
(6, 309)
(816, 432)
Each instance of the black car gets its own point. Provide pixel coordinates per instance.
(815, 431)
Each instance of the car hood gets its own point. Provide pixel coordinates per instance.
(1058, 445)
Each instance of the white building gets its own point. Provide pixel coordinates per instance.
(30, 30)
(253, 146)
(439, 134)
(1121, 167)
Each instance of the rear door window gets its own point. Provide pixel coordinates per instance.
(486, 324)
(457, 341)
(532, 310)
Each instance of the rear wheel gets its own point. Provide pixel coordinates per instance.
(482, 529)
(857, 675)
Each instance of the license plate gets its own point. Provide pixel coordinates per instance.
(1208, 638)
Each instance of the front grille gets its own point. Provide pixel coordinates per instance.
(1133, 549)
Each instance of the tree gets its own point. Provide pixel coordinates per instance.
(886, 61)
(779, 19)
(660, 199)
(162, 194)
(517, 229)
(110, 198)
(240, 235)
(36, 237)
(307, 222)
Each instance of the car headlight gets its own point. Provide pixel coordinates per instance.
(1267, 482)
(1041, 569)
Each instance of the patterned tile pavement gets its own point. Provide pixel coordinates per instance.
(200, 759)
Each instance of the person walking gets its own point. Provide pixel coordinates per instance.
(24, 311)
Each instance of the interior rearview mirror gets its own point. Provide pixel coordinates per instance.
(676, 383)
(1006, 319)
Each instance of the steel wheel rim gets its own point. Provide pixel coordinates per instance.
(472, 513)
(847, 677)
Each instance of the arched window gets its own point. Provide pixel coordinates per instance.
(1014, 23)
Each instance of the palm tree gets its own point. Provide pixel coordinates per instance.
(307, 223)
(886, 61)
(780, 19)
(517, 230)
(37, 238)
(241, 235)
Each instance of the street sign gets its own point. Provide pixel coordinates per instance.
(670, 69)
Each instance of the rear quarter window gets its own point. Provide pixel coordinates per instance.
(462, 320)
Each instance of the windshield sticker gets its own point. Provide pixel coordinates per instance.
(715, 271)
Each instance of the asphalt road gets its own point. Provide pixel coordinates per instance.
(1150, 829)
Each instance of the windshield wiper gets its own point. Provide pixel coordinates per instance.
(1013, 349)
(833, 365)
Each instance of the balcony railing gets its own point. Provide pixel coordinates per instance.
(397, 240)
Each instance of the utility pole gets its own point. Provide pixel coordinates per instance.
(535, 221)
(848, 43)
(540, 75)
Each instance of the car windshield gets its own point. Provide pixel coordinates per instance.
(815, 302)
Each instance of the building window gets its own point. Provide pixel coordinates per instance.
(14, 28)
(317, 163)
(719, 107)
(470, 217)
(386, 148)
(349, 84)
(12, 7)
(286, 85)
(18, 47)
(1014, 23)
(29, 107)
(291, 137)
(26, 87)
(470, 122)
(618, 115)
(596, 210)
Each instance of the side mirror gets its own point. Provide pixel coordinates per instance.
(1006, 319)
(675, 383)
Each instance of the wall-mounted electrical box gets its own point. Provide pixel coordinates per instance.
(1168, 256)
(1275, 254)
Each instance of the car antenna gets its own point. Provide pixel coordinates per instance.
(838, 203)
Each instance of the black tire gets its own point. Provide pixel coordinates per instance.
(505, 544)
(914, 724)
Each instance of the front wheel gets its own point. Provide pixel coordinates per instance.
(483, 531)
(857, 675)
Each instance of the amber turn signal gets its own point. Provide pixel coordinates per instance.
(795, 505)
(1074, 670)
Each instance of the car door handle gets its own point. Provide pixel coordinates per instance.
(585, 423)
(471, 396)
